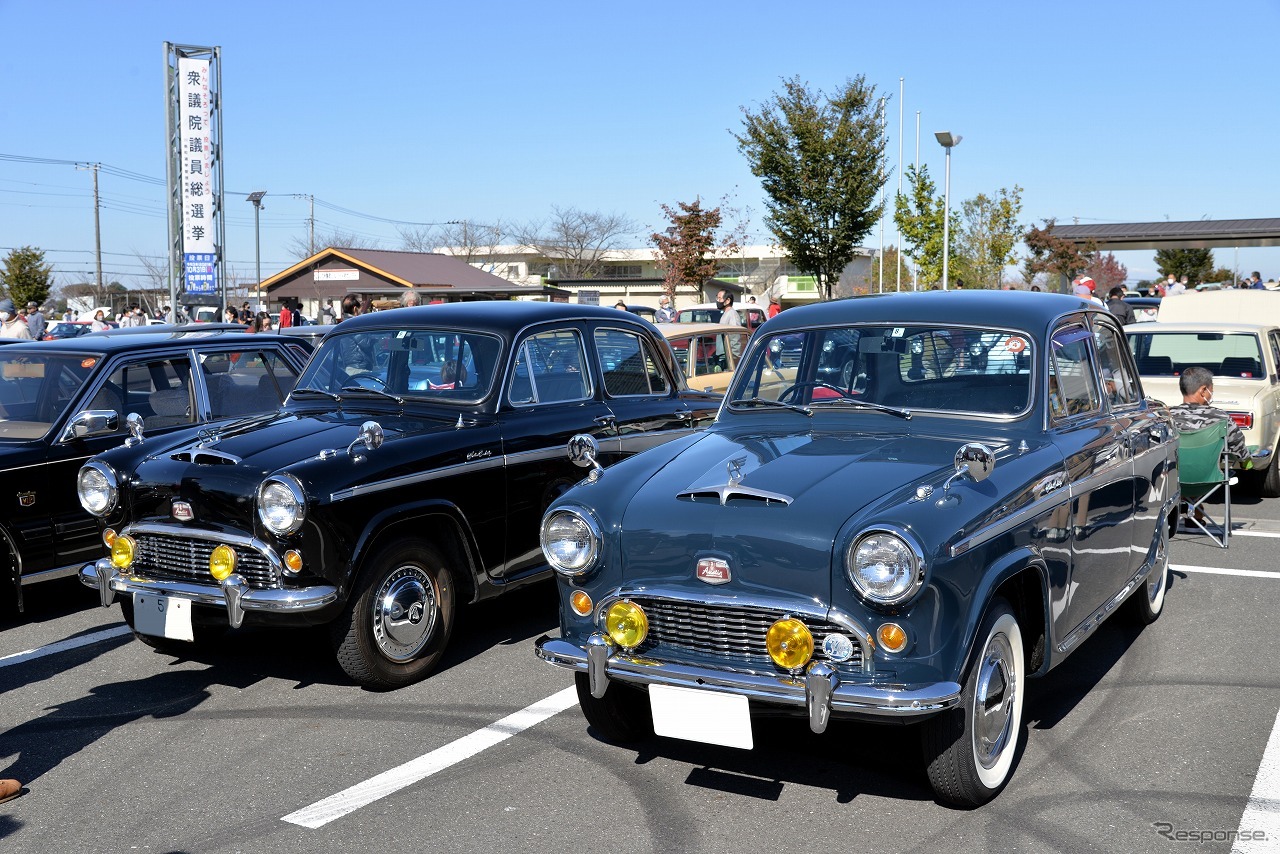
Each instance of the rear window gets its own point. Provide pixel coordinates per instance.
(1168, 354)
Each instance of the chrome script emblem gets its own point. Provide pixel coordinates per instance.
(712, 570)
(182, 511)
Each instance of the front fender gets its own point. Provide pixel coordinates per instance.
(997, 574)
(412, 520)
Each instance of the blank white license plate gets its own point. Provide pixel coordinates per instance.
(162, 616)
(710, 717)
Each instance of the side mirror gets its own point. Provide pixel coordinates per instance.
(974, 460)
(583, 450)
(90, 422)
(370, 436)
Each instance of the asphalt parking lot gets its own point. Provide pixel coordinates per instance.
(1144, 740)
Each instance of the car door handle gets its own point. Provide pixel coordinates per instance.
(607, 421)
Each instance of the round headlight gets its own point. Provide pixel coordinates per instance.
(790, 643)
(884, 567)
(281, 504)
(97, 487)
(626, 624)
(570, 541)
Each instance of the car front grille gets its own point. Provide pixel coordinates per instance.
(725, 631)
(165, 556)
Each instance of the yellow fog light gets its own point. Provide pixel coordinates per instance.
(790, 643)
(122, 552)
(892, 637)
(108, 537)
(222, 562)
(626, 624)
(580, 602)
(293, 560)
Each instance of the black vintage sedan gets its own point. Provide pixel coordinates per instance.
(908, 505)
(406, 475)
(63, 401)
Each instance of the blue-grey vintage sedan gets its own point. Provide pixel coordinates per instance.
(907, 505)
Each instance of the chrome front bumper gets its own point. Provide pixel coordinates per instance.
(820, 691)
(232, 593)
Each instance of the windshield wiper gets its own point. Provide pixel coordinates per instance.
(865, 404)
(761, 401)
(319, 391)
(377, 391)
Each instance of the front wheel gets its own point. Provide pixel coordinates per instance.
(621, 716)
(397, 623)
(970, 748)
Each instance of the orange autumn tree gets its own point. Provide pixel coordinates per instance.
(687, 248)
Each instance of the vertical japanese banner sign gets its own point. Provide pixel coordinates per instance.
(195, 158)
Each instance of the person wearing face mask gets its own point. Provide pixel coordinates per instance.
(11, 325)
(1196, 411)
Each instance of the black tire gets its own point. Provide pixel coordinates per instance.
(398, 620)
(1146, 604)
(204, 633)
(621, 716)
(970, 748)
(1267, 482)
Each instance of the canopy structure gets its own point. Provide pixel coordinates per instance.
(1198, 234)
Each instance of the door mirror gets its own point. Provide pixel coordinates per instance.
(91, 422)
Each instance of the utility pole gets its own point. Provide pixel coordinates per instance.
(97, 224)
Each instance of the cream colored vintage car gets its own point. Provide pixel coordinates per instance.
(706, 352)
(1235, 334)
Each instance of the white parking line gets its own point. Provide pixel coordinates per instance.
(1260, 823)
(63, 646)
(349, 800)
(1272, 534)
(1219, 570)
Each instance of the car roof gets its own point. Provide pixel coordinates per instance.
(497, 316)
(684, 330)
(154, 337)
(1027, 310)
(1243, 305)
(710, 306)
(1206, 326)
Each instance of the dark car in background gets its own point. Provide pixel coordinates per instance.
(406, 476)
(934, 497)
(63, 401)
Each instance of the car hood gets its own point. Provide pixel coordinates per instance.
(218, 469)
(771, 506)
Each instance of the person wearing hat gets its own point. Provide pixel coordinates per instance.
(11, 325)
(1084, 289)
(35, 321)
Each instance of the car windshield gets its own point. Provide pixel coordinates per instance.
(951, 369)
(449, 366)
(1168, 354)
(35, 389)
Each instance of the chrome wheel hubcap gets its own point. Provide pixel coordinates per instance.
(994, 699)
(404, 613)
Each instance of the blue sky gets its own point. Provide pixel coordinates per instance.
(486, 111)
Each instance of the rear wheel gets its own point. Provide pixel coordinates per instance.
(970, 748)
(1267, 482)
(397, 623)
(621, 716)
(1146, 604)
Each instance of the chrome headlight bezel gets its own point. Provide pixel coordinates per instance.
(295, 493)
(110, 487)
(906, 582)
(587, 556)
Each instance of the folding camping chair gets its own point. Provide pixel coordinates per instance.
(1203, 470)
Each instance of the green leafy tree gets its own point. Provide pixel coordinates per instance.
(1221, 274)
(919, 216)
(987, 235)
(1195, 264)
(687, 249)
(891, 282)
(1048, 253)
(821, 161)
(25, 276)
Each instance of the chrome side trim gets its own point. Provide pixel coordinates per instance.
(429, 475)
(50, 574)
(1014, 520)
(894, 701)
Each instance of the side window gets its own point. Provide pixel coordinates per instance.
(628, 364)
(1072, 390)
(549, 369)
(1275, 347)
(246, 382)
(158, 390)
(1119, 386)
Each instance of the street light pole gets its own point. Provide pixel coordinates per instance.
(256, 198)
(948, 141)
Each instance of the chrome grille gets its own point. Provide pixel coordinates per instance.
(181, 559)
(726, 631)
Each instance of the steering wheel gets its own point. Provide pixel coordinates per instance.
(794, 390)
(368, 375)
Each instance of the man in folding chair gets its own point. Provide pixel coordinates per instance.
(1211, 445)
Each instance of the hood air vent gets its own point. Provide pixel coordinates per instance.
(205, 457)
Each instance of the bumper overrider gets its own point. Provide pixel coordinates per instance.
(233, 592)
(818, 691)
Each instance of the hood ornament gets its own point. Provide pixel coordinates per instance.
(735, 470)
